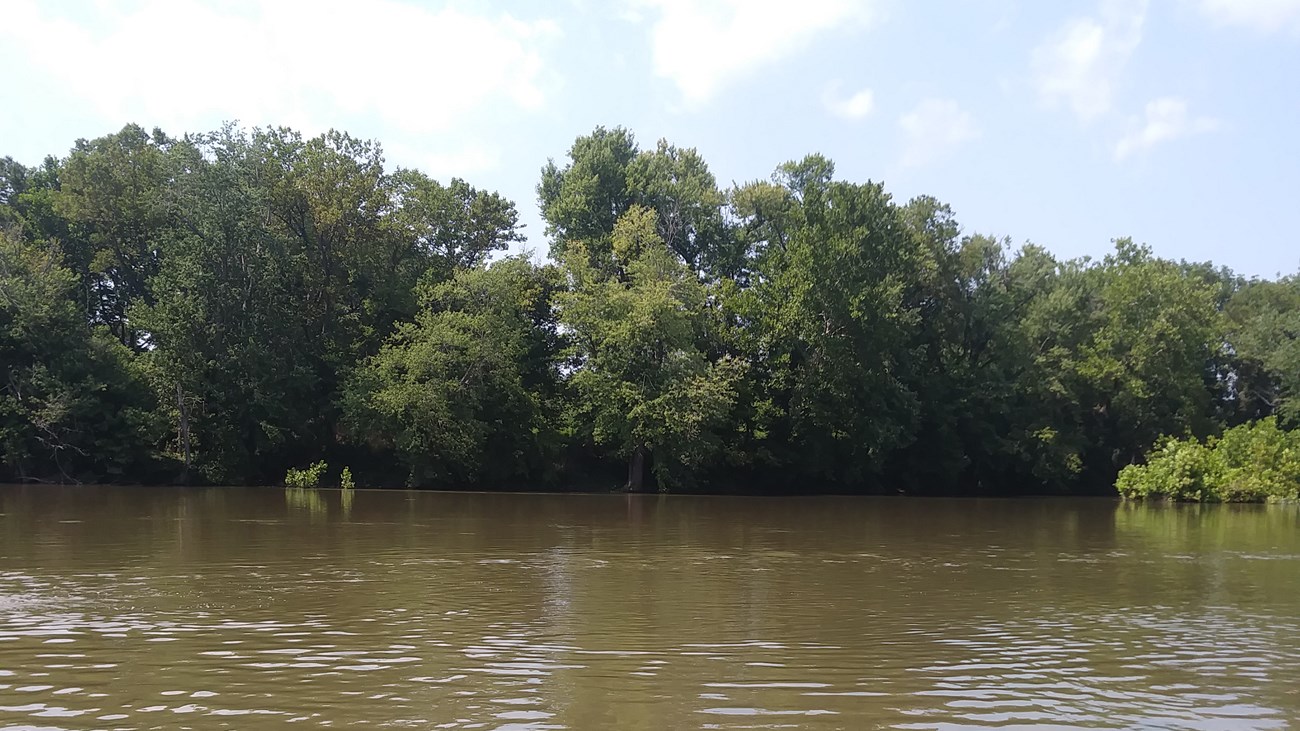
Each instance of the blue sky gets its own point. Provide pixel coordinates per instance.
(1176, 122)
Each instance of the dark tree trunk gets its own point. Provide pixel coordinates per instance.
(636, 471)
(184, 431)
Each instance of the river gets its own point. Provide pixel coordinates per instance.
(134, 608)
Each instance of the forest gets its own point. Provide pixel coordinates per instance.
(223, 308)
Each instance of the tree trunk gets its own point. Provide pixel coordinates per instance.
(184, 430)
(636, 471)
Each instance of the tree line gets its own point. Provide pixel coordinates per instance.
(225, 307)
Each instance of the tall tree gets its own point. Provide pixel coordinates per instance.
(607, 174)
(583, 200)
(231, 358)
(446, 228)
(1121, 351)
(828, 322)
(1264, 337)
(111, 195)
(467, 393)
(73, 406)
(644, 386)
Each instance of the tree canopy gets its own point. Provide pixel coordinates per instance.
(224, 307)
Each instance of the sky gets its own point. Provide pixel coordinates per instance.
(1066, 123)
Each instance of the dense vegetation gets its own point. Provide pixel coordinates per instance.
(228, 306)
(1248, 463)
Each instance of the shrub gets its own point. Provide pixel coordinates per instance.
(1249, 463)
(309, 477)
(345, 479)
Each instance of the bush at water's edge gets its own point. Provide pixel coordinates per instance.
(1254, 462)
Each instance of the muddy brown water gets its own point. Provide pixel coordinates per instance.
(132, 608)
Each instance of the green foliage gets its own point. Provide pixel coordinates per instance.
(233, 359)
(608, 174)
(466, 393)
(113, 198)
(1249, 463)
(73, 403)
(225, 306)
(850, 315)
(841, 324)
(305, 478)
(1264, 332)
(345, 479)
(452, 227)
(1119, 352)
(646, 388)
(581, 201)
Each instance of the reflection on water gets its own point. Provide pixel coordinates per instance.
(247, 609)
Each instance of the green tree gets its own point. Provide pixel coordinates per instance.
(583, 200)
(467, 393)
(72, 405)
(608, 173)
(232, 358)
(448, 228)
(644, 387)
(111, 195)
(826, 322)
(1264, 337)
(961, 359)
(235, 304)
(1121, 352)
(287, 262)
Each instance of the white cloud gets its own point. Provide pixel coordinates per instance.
(701, 45)
(1261, 15)
(1080, 64)
(935, 128)
(858, 105)
(181, 63)
(1166, 120)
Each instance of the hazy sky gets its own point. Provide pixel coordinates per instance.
(1176, 122)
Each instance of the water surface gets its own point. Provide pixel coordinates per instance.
(131, 608)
